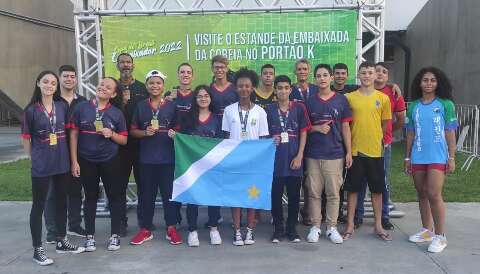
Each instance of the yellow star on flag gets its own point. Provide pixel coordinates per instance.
(253, 192)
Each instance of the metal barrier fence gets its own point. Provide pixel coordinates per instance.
(467, 132)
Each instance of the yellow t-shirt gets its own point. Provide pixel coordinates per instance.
(368, 113)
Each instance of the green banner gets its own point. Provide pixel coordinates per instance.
(252, 40)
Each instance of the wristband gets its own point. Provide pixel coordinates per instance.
(407, 159)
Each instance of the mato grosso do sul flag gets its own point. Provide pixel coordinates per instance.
(223, 172)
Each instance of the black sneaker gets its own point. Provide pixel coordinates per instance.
(293, 236)
(357, 222)
(77, 231)
(64, 246)
(387, 225)
(278, 233)
(40, 257)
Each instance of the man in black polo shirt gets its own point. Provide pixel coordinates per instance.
(340, 77)
(68, 85)
(133, 92)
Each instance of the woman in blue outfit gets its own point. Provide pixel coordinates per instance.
(430, 151)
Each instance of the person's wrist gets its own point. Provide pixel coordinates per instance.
(407, 159)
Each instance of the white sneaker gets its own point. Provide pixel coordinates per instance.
(237, 238)
(113, 243)
(215, 238)
(249, 238)
(334, 236)
(90, 244)
(424, 235)
(438, 244)
(193, 239)
(314, 234)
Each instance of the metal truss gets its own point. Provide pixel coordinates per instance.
(371, 14)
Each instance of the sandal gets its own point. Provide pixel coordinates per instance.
(347, 235)
(384, 237)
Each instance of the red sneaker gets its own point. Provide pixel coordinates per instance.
(173, 236)
(142, 236)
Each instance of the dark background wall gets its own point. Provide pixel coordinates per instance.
(446, 34)
(26, 48)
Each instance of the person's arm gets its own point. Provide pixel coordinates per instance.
(140, 133)
(323, 128)
(347, 141)
(75, 167)
(408, 151)
(451, 143)
(119, 138)
(384, 126)
(27, 146)
(297, 161)
(399, 120)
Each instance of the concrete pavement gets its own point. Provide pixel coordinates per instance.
(364, 253)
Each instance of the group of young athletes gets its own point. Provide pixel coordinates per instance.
(324, 131)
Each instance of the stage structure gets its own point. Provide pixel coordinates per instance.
(88, 34)
(88, 14)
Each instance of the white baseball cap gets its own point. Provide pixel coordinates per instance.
(155, 73)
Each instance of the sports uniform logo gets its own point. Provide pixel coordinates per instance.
(377, 103)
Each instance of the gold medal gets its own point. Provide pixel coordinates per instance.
(53, 139)
(284, 137)
(98, 125)
(154, 123)
(244, 135)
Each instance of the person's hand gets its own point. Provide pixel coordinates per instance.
(171, 133)
(296, 162)
(106, 132)
(407, 166)
(169, 98)
(150, 131)
(126, 96)
(451, 165)
(75, 169)
(324, 129)
(276, 140)
(348, 160)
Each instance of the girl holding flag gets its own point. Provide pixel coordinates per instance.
(97, 129)
(150, 123)
(201, 121)
(44, 140)
(244, 121)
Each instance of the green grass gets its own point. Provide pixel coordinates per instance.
(15, 181)
(461, 186)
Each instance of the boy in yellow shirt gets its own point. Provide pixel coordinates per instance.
(371, 113)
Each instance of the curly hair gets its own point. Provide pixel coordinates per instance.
(444, 87)
(246, 73)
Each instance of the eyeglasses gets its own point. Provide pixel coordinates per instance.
(199, 97)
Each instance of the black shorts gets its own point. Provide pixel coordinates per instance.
(366, 169)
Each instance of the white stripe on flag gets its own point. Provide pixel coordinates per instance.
(197, 169)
